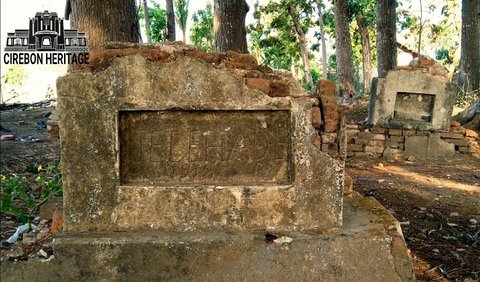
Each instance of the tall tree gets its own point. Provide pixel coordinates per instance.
(104, 20)
(469, 78)
(363, 12)
(157, 30)
(343, 50)
(273, 38)
(322, 37)
(386, 36)
(366, 52)
(229, 25)
(292, 11)
(181, 13)
(201, 32)
(170, 20)
(147, 21)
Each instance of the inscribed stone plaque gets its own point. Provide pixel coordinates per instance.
(204, 147)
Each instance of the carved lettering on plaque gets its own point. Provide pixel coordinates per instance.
(205, 147)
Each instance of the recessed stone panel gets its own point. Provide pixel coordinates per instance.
(204, 147)
(411, 100)
(414, 107)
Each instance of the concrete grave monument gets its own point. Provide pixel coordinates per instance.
(411, 100)
(183, 165)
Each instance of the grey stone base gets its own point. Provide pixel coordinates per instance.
(367, 248)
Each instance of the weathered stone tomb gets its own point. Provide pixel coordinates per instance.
(412, 100)
(183, 165)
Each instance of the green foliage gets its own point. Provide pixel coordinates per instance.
(32, 168)
(272, 36)
(443, 56)
(366, 9)
(15, 75)
(201, 32)
(158, 22)
(16, 196)
(332, 64)
(14, 192)
(437, 33)
(50, 182)
(181, 13)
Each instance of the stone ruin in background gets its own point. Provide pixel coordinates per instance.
(410, 110)
(184, 165)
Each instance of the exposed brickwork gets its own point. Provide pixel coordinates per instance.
(427, 66)
(365, 141)
(326, 93)
(325, 117)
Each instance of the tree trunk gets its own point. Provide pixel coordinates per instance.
(303, 45)
(343, 50)
(229, 25)
(170, 20)
(322, 34)
(181, 14)
(104, 20)
(147, 21)
(469, 77)
(386, 36)
(366, 54)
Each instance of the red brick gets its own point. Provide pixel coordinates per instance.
(395, 132)
(471, 133)
(243, 59)
(378, 129)
(237, 65)
(330, 113)
(455, 124)
(101, 59)
(361, 141)
(326, 88)
(451, 135)
(57, 223)
(351, 133)
(209, 57)
(426, 62)
(457, 142)
(355, 147)
(399, 139)
(259, 84)
(316, 117)
(423, 133)
(279, 89)
(409, 132)
(457, 129)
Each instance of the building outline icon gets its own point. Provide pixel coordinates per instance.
(46, 33)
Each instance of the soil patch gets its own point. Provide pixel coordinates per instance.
(438, 205)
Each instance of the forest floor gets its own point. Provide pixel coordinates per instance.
(437, 203)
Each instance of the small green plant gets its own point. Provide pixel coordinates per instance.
(50, 182)
(14, 196)
(32, 168)
(16, 200)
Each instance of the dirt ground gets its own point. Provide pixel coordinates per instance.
(437, 203)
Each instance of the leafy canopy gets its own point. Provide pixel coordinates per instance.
(201, 32)
(158, 22)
